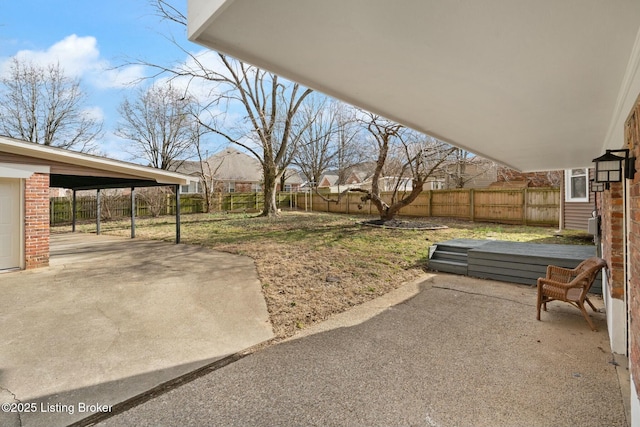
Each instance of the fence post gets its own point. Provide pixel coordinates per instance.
(73, 212)
(133, 212)
(472, 204)
(525, 205)
(430, 211)
(52, 203)
(98, 213)
(348, 202)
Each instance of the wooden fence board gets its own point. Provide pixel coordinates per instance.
(539, 206)
(510, 206)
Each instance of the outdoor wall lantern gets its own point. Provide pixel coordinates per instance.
(609, 167)
(597, 187)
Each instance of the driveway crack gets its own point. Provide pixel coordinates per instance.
(482, 294)
(15, 400)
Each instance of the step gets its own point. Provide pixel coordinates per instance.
(452, 248)
(449, 256)
(448, 266)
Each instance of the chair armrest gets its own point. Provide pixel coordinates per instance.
(556, 284)
(560, 274)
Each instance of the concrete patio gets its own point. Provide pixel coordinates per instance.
(112, 318)
(444, 351)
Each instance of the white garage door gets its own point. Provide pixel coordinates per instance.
(9, 223)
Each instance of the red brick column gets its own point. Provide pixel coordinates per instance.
(36, 221)
(613, 237)
(634, 273)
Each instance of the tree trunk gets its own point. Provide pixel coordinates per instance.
(387, 213)
(270, 183)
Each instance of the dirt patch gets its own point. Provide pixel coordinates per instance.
(302, 287)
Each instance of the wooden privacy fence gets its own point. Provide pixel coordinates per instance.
(529, 206)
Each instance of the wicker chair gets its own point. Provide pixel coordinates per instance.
(570, 285)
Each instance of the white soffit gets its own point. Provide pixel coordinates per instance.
(530, 83)
(10, 170)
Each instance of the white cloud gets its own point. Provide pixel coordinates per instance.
(80, 58)
(121, 77)
(95, 113)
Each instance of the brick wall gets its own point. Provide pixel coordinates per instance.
(36, 221)
(634, 273)
(613, 237)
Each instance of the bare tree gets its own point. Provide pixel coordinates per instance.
(270, 128)
(159, 125)
(155, 199)
(403, 157)
(349, 151)
(207, 173)
(464, 167)
(43, 105)
(328, 141)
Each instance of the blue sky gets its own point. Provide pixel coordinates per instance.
(89, 38)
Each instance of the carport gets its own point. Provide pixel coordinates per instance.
(28, 170)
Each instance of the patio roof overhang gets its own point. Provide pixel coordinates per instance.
(536, 85)
(80, 171)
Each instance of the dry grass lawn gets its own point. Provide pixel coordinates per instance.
(313, 265)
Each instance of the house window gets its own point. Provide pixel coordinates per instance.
(437, 185)
(256, 188)
(287, 188)
(577, 185)
(232, 187)
(192, 188)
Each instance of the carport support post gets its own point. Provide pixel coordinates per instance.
(98, 213)
(133, 212)
(73, 212)
(177, 187)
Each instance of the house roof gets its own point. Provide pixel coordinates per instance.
(233, 165)
(74, 170)
(536, 85)
(293, 177)
(327, 180)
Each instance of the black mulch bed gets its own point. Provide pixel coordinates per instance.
(404, 224)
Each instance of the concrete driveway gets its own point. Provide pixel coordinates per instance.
(460, 352)
(112, 318)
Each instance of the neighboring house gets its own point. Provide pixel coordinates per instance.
(231, 171)
(354, 177)
(234, 171)
(473, 173)
(478, 173)
(292, 181)
(191, 168)
(390, 183)
(29, 170)
(463, 81)
(328, 181)
(57, 192)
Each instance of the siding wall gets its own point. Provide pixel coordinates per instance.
(576, 214)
